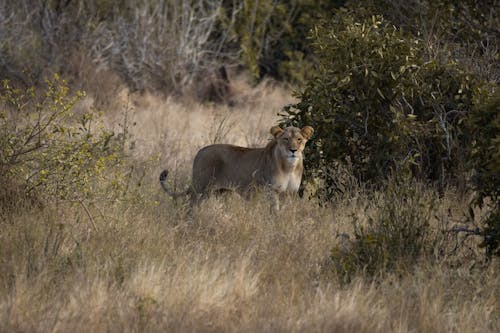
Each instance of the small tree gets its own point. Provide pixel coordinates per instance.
(45, 149)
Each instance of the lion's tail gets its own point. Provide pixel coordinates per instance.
(175, 195)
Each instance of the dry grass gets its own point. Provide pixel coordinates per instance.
(151, 264)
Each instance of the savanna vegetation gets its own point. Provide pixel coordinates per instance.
(397, 227)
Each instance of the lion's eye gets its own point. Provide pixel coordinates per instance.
(285, 139)
(299, 139)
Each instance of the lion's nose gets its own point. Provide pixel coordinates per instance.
(293, 150)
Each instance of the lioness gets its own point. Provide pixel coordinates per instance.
(277, 167)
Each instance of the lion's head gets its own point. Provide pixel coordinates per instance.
(291, 141)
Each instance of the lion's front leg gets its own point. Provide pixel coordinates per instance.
(287, 197)
(274, 199)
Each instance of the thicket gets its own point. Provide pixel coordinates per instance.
(484, 159)
(169, 46)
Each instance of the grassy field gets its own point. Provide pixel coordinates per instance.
(146, 263)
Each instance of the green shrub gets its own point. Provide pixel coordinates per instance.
(379, 103)
(46, 150)
(484, 124)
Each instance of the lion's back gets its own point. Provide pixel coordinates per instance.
(223, 165)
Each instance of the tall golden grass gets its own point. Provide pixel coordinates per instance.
(146, 263)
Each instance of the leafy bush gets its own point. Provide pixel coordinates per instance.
(379, 103)
(484, 124)
(45, 149)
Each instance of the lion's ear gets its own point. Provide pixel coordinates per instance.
(276, 130)
(307, 132)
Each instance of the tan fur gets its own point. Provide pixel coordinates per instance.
(277, 167)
